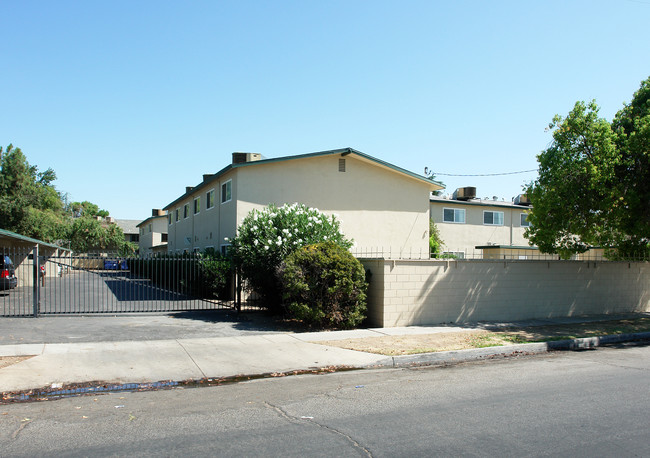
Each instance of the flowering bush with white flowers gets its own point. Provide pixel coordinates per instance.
(266, 237)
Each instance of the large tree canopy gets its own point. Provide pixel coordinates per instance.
(593, 187)
(30, 205)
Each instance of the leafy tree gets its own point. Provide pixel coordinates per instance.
(265, 238)
(88, 234)
(29, 203)
(593, 187)
(435, 241)
(85, 208)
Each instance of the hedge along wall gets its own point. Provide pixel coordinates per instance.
(413, 292)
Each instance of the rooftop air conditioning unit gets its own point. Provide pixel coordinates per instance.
(522, 199)
(241, 158)
(466, 193)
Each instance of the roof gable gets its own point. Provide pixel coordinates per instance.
(209, 179)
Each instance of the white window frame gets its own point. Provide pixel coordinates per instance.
(493, 213)
(208, 200)
(196, 208)
(178, 214)
(458, 254)
(523, 220)
(227, 185)
(457, 211)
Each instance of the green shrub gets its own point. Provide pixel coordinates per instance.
(265, 238)
(215, 274)
(324, 285)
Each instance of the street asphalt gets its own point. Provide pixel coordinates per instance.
(68, 350)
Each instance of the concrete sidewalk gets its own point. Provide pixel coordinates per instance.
(147, 361)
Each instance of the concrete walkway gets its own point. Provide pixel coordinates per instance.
(254, 353)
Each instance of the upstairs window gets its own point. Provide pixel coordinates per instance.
(197, 205)
(186, 210)
(178, 212)
(169, 219)
(493, 218)
(453, 215)
(209, 199)
(226, 192)
(524, 220)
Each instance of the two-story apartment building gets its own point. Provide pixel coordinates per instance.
(382, 207)
(468, 225)
(153, 233)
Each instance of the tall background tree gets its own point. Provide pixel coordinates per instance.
(30, 205)
(593, 187)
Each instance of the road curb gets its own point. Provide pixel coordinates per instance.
(459, 356)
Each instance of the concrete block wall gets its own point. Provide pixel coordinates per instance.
(414, 292)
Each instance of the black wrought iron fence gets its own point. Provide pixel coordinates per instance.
(105, 283)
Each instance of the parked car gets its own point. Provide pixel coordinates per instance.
(8, 279)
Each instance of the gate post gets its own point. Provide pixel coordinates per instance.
(36, 281)
(238, 286)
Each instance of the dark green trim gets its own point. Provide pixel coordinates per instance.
(151, 218)
(4, 232)
(450, 202)
(341, 151)
(508, 247)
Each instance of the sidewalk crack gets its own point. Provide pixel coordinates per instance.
(296, 420)
(190, 356)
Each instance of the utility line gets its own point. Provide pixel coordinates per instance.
(481, 174)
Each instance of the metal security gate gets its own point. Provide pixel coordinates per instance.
(110, 284)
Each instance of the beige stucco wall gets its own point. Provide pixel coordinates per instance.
(152, 237)
(404, 293)
(379, 209)
(465, 237)
(208, 227)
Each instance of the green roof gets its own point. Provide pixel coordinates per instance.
(341, 151)
(8, 234)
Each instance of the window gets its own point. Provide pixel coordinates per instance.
(186, 210)
(149, 227)
(163, 237)
(493, 218)
(524, 220)
(454, 254)
(453, 215)
(225, 248)
(226, 192)
(197, 205)
(142, 231)
(209, 199)
(169, 219)
(178, 211)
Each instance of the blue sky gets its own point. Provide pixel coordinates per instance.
(129, 102)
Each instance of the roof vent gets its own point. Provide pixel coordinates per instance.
(522, 199)
(241, 158)
(466, 193)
